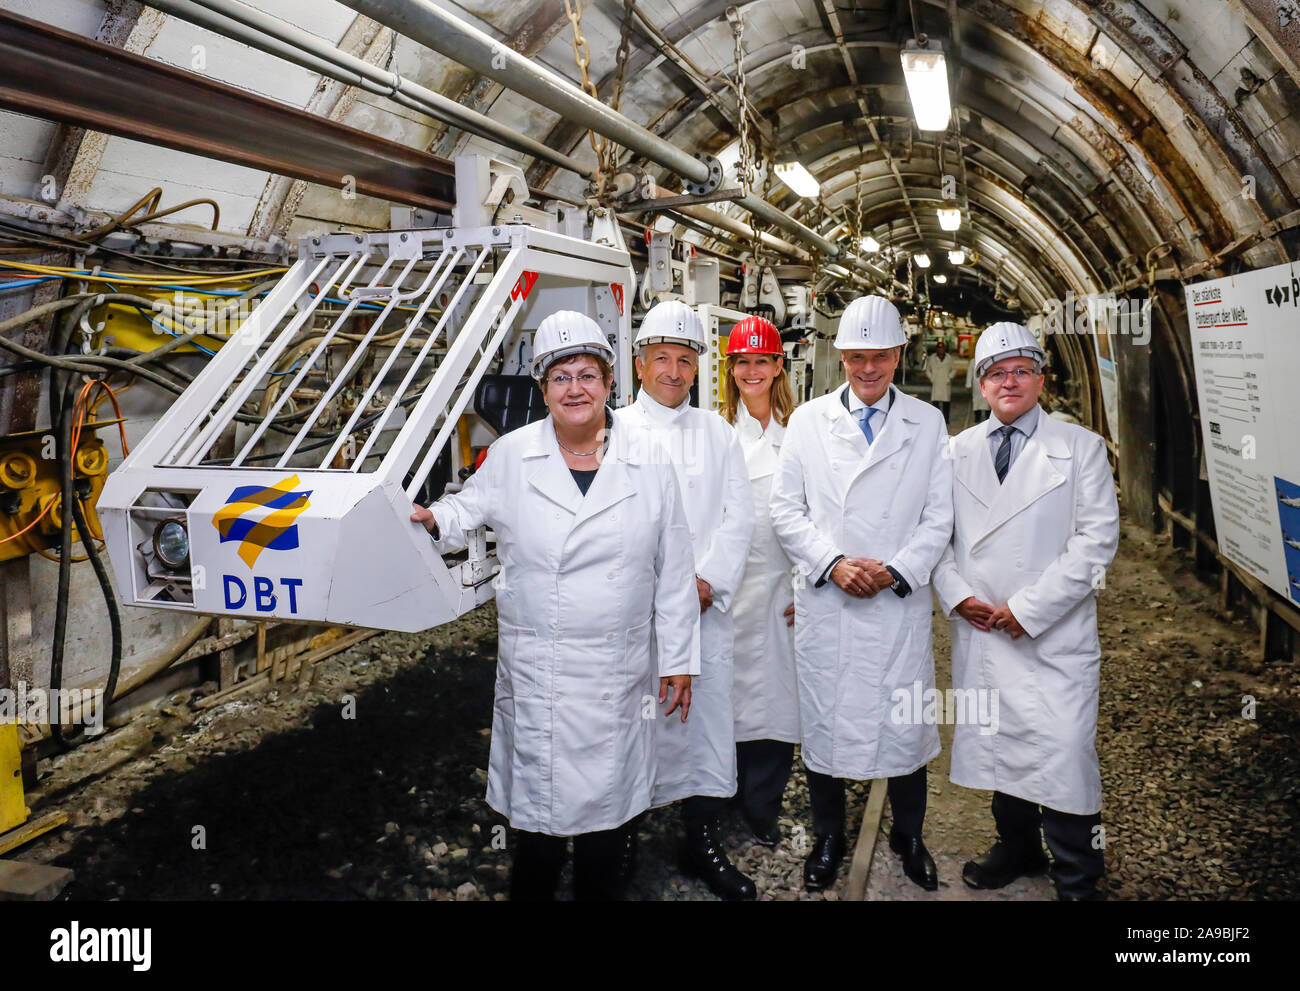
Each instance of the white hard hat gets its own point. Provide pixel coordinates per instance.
(566, 333)
(870, 323)
(671, 322)
(1007, 340)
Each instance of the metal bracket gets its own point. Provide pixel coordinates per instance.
(712, 182)
(672, 202)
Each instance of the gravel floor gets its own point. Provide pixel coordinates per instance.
(280, 796)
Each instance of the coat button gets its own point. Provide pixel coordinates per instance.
(885, 514)
(691, 484)
(609, 636)
(612, 575)
(605, 697)
(1020, 564)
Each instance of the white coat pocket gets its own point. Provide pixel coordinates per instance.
(516, 661)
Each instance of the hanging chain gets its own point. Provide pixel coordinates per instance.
(582, 57)
(624, 48)
(745, 165)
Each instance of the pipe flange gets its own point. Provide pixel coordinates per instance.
(711, 183)
(17, 470)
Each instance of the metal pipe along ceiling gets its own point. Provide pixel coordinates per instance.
(446, 34)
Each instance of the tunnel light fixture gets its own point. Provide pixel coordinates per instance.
(940, 278)
(957, 257)
(949, 217)
(798, 178)
(870, 245)
(926, 73)
(922, 260)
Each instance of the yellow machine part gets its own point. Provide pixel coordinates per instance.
(13, 809)
(174, 313)
(30, 481)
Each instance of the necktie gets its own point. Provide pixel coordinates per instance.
(1002, 461)
(864, 421)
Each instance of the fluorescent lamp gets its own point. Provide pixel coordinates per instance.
(870, 245)
(940, 278)
(949, 217)
(922, 260)
(799, 179)
(926, 73)
(957, 257)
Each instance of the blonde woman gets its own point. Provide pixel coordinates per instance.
(757, 400)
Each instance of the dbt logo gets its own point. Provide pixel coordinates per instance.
(274, 530)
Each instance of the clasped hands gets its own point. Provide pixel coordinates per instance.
(986, 618)
(861, 577)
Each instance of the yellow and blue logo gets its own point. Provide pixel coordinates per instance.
(274, 531)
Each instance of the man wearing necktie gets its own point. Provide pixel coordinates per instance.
(1036, 525)
(862, 504)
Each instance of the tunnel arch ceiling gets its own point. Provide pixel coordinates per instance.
(1092, 133)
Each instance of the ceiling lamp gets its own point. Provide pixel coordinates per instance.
(949, 217)
(922, 260)
(940, 278)
(957, 257)
(926, 73)
(799, 179)
(870, 245)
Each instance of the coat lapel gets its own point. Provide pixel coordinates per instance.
(547, 472)
(761, 447)
(613, 483)
(898, 430)
(1037, 471)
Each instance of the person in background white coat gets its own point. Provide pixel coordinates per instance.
(862, 503)
(698, 758)
(757, 400)
(595, 601)
(939, 369)
(979, 406)
(1037, 524)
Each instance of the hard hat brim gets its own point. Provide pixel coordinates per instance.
(1037, 354)
(545, 361)
(695, 346)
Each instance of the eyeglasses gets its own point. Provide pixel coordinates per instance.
(998, 375)
(586, 379)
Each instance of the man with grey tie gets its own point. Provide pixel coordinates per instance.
(1036, 525)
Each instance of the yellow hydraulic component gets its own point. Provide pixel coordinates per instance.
(13, 809)
(30, 486)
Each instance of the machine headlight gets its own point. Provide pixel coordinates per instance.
(171, 543)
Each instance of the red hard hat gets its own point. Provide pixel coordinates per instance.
(755, 335)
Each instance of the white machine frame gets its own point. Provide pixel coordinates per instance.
(292, 533)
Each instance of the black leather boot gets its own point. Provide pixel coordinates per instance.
(918, 865)
(703, 857)
(822, 864)
(766, 832)
(1003, 864)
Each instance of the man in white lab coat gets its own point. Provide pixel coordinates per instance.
(862, 503)
(697, 759)
(939, 369)
(1036, 526)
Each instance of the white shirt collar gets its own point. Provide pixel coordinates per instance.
(882, 404)
(1027, 423)
(657, 411)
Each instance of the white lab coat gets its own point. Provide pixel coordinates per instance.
(1039, 542)
(977, 400)
(766, 690)
(584, 582)
(940, 372)
(892, 501)
(698, 757)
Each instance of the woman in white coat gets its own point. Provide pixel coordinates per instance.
(596, 565)
(757, 400)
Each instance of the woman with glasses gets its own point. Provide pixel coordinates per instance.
(596, 607)
(757, 400)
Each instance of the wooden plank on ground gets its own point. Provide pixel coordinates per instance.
(866, 847)
(31, 829)
(23, 882)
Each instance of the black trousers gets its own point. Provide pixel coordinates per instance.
(702, 808)
(906, 800)
(1076, 862)
(763, 770)
(602, 864)
(943, 406)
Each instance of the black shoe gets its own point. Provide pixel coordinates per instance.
(822, 864)
(917, 862)
(1003, 864)
(1091, 895)
(765, 832)
(703, 857)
